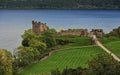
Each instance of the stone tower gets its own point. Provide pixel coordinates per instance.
(39, 27)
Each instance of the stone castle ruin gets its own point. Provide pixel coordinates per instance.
(82, 32)
(39, 27)
(98, 32)
(77, 32)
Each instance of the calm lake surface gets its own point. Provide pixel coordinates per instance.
(14, 22)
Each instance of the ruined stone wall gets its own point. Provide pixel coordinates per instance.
(90, 34)
(98, 32)
(82, 32)
(77, 32)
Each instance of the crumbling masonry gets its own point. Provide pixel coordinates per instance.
(39, 27)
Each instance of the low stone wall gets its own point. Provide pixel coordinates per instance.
(77, 32)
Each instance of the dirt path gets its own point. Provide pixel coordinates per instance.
(108, 51)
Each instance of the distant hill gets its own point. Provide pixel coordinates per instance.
(60, 4)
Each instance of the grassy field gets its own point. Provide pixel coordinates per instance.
(113, 44)
(72, 58)
(105, 40)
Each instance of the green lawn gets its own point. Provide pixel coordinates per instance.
(105, 40)
(114, 46)
(71, 58)
(112, 43)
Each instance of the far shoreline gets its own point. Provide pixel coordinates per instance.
(59, 8)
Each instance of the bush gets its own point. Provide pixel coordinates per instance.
(5, 62)
(104, 65)
(69, 71)
(48, 39)
(24, 56)
(114, 32)
(25, 42)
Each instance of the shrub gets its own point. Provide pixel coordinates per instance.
(104, 65)
(114, 32)
(48, 39)
(5, 62)
(24, 56)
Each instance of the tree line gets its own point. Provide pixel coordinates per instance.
(114, 32)
(61, 4)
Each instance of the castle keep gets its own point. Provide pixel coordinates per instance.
(39, 27)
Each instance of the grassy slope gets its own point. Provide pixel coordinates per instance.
(71, 58)
(114, 47)
(109, 39)
(113, 44)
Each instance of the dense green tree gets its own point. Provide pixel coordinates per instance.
(31, 50)
(115, 32)
(104, 65)
(37, 44)
(25, 42)
(5, 62)
(33, 47)
(29, 34)
(24, 56)
(52, 30)
(31, 40)
(48, 38)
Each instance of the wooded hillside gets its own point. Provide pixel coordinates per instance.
(62, 4)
